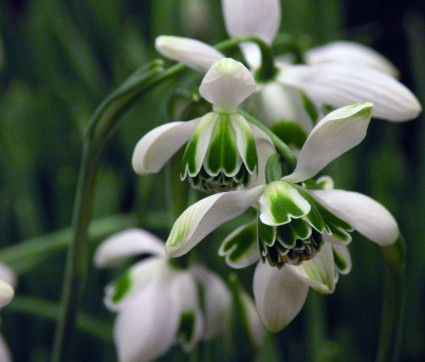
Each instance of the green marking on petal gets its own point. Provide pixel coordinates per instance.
(223, 155)
(237, 244)
(197, 146)
(280, 202)
(301, 229)
(266, 233)
(245, 141)
(187, 326)
(340, 261)
(121, 286)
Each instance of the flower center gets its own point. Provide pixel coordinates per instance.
(291, 243)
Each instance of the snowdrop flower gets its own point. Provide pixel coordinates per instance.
(159, 303)
(329, 79)
(224, 150)
(302, 234)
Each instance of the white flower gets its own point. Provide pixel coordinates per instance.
(341, 73)
(303, 232)
(158, 303)
(224, 150)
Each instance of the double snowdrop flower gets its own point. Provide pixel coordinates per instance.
(159, 303)
(301, 234)
(335, 75)
(224, 151)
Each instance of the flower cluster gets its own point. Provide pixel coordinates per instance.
(303, 225)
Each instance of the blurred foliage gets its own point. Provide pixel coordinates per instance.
(61, 58)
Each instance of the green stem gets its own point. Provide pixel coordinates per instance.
(316, 328)
(281, 146)
(393, 302)
(267, 70)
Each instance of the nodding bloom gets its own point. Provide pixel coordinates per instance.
(336, 75)
(224, 151)
(300, 233)
(159, 303)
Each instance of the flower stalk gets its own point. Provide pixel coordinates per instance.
(393, 301)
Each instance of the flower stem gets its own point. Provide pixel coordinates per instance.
(101, 128)
(267, 70)
(393, 302)
(281, 147)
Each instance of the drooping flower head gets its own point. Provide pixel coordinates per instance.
(159, 303)
(224, 151)
(301, 233)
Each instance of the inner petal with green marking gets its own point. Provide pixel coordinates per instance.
(221, 155)
(291, 223)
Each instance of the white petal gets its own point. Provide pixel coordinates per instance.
(258, 18)
(140, 276)
(6, 293)
(319, 272)
(5, 355)
(146, 328)
(275, 102)
(367, 216)
(206, 215)
(350, 52)
(339, 84)
(335, 134)
(279, 295)
(227, 84)
(8, 275)
(265, 149)
(158, 145)
(193, 53)
(216, 299)
(117, 248)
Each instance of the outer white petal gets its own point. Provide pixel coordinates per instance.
(367, 216)
(193, 53)
(335, 134)
(274, 102)
(158, 145)
(279, 295)
(5, 355)
(319, 272)
(206, 215)
(115, 249)
(216, 299)
(6, 293)
(139, 277)
(265, 149)
(258, 18)
(227, 84)
(8, 275)
(146, 328)
(350, 52)
(339, 84)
